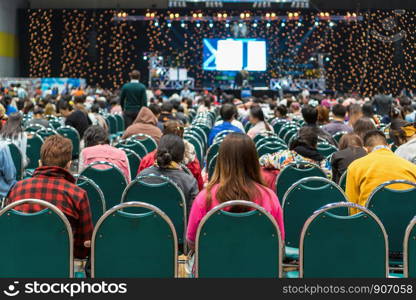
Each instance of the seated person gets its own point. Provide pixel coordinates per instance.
(166, 112)
(378, 166)
(303, 149)
(236, 176)
(145, 123)
(189, 160)
(97, 148)
(310, 115)
(75, 118)
(228, 113)
(350, 148)
(362, 126)
(38, 118)
(338, 120)
(53, 183)
(170, 154)
(404, 136)
(257, 119)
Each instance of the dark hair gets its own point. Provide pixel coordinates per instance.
(350, 140)
(368, 110)
(167, 107)
(171, 149)
(64, 105)
(175, 104)
(306, 136)
(135, 75)
(80, 99)
(374, 136)
(362, 126)
(28, 106)
(257, 112)
(310, 114)
(282, 109)
(95, 108)
(396, 131)
(56, 151)
(173, 127)
(95, 135)
(13, 126)
(155, 109)
(228, 111)
(323, 114)
(339, 110)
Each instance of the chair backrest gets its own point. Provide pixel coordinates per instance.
(146, 140)
(301, 200)
(163, 193)
(198, 147)
(293, 173)
(72, 134)
(34, 127)
(226, 243)
(95, 197)
(120, 122)
(134, 161)
(34, 143)
(409, 250)
(338, 135)
(55, 123)
(134, 245)
(343, 181)
(109, 178)
(268, 139)
(326, 149)
(395, 208)
(335, 246)
(211, 166)
(46, 132)
(112, 124)
(221, 135)
(212, 151)
(17, 158)
(270, 148)
(134, 145)
(35, 245)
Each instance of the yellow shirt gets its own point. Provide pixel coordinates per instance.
(368, 172)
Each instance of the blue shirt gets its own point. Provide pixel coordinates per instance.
(7, 170)
(217, 129)
(10, 110)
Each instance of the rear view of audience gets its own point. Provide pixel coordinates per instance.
(52, 182)
(97, 148)
(145, 123)
(13, 131)
(338, 120)
(236, 176)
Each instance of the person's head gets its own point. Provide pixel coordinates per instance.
(310, 114)
(155, 109)
(354, 113)
(401, 131)
(167, 108)
(173, 127)
(228, 112)
(95, 135)
(323, 115)
(207, 102)
(256, 114)
(237, 171)
(50, 109)
(65, 108)
(13, 126)
(367, 109)
(295, 107)
(56, 151)
(362, 126)
(171, 149)
(38, 112)
(374, 138)
(350, 140)
(28, 107)
(339, 111)
(95, 108)
(135, 75)
(281, 111)
(307, 136)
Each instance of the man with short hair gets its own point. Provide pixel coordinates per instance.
(38, 118)
(75, 118)
(53, 183)
(338, 121)
(133, 97)
(228, 112)
(379, 166)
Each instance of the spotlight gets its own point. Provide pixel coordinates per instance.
(176, 15)
(254, 25)
(273, 15)
(219, 16)
(299, 23)
(144, 57)
(147, 15)
(169, 24)
(171, 16)
(268, 25)
(194, 15)
(152, 15)
(183, 25)
(290, 15)
(316, 23)
(267, 15)
(240, 24)
(224, 15)
(296, 14)
(247, 15)
(200, 15)
(198, 24)
(227, 24)
(327, 59)
(211, 25)
(327, 14)
(283, 24)
(331, 24)
(242, 15)
(157, 24)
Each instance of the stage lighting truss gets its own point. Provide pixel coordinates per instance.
(213, 4)
(300, 4)
(177, 3)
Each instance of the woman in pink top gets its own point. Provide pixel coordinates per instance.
(236, 177)
(97, 148)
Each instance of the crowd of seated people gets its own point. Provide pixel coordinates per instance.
(372, 142)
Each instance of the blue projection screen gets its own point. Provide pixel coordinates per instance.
(234, 55)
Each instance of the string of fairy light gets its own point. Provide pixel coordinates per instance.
(355, 58)
(40, 37)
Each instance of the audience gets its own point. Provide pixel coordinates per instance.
(405, 138)
(170, 154)
(75, 118)
(7, 170)
(379, 166)
(310, 116)
(228, 112)
(362, 126)
(350, 148)
(13, 131)
(258, 120)
(323, 115)
(189, 160)
(97, 148)
(338, 121)
(145, 123)
(38, 118)
(156, 110)
(236, 176)
(52, 182)
(166, 113)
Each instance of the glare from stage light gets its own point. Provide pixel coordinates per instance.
(316, 23)
(331, 24)
(156, 23)
(254, 25)
(182, 24)
(169, 24)
(268, 24)
(211, 25)
(227, 24)
(198, 24)
(283, 24)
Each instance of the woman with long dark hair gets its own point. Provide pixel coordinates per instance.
(13, 131)
(236, 177)
(404, 136)
(258, 120)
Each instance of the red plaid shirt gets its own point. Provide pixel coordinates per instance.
(57, 186)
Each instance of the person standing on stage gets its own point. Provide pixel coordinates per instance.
(133, 98)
